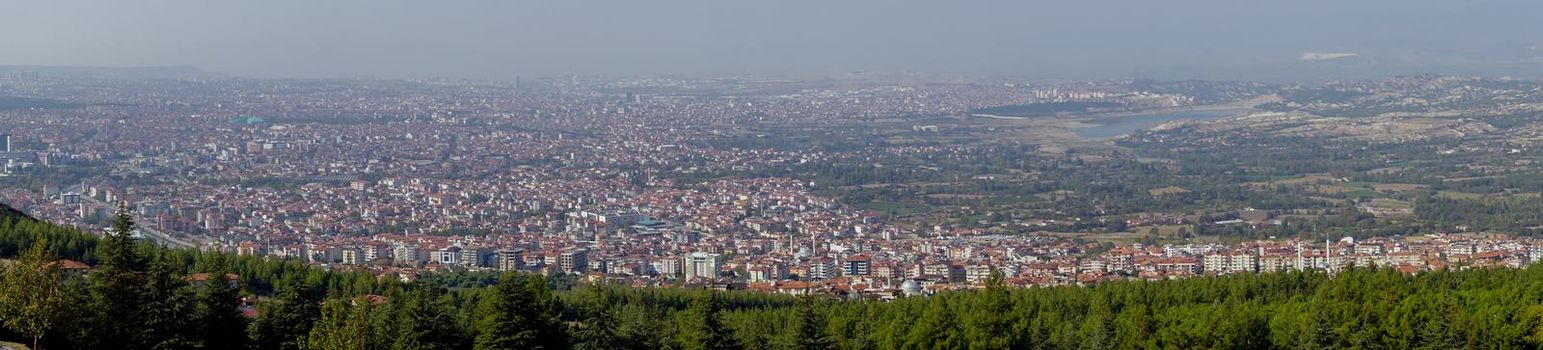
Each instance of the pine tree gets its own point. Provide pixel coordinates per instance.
(811, 327)
(118, 288)
(520, 313)
(938, 328)
(344, 325)
(1133, 327)
(169, 308)
(705, 329)
(284, 322)
(992, 330)
(1098, 328)
(597, 329)
(426, 322)
(216, 313)
(32, 294)
(552, 333)
(641, 327)
(1447, 334)
(1320, 332)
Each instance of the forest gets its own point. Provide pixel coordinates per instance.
(139, 296)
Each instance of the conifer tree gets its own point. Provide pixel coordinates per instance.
(552, 332)
(938, 328)
(343, 325)
(1098, 327)
(425, 321)
(169, 308)
(811, 332)
(992, 330)
(520, 313)
(117, 288)
(1442, 331)
(284, 322)
(597, 328)
(705, 329)
(1319, 331)
(641, 327)
(216, 312)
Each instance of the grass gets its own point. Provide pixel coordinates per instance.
(1398, 187)
(1167, 190)
(1392, 204)
(1364, 193)
(1290, 181)
(1458, 195)
(898, 208)
(12, 346)
(1163, 231)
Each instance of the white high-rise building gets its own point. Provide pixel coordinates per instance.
(700, 265)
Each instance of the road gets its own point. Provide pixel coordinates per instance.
(154, 234)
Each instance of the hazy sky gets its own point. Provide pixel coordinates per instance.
(500, 39)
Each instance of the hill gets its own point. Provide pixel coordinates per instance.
(7, 212)
(87, 72)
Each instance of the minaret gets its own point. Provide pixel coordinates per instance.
(1328, 265)
(812, 245)
(1299, 256)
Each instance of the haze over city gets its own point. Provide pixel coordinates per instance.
(1209, 39)
(771, 175)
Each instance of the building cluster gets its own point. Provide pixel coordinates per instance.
(867, 265)
(658, 181)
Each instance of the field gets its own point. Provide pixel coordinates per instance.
(1458, 195)
(1302, 180)
(1167, 190)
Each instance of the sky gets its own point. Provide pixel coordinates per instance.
(1206, 39)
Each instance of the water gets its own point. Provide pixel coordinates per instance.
(1118, 126)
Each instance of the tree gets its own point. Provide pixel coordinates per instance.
(811, 327)
(597, 328)
(1319, 331)
(705, 329)
(1132, 327)
(1098, 327)
(992, 330)
(117, 288)
(1441, 332)
(32, 295)
(284, 322)
(520, 313)
(938, 328)
(169, 307)
(344, 325)
(216, 312)
(641, 327)
(425, 321)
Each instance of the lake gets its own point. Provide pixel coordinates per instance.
(1116, 126)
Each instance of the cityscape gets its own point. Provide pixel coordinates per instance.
(784, 175)
(637, 181)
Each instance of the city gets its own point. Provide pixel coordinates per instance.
(643, 182)
(784, 175)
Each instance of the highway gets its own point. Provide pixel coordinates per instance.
(154, 234)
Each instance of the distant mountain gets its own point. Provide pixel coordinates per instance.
(76, 72)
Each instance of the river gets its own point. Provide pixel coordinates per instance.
(1107, 127)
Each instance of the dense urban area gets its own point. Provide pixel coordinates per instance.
(863, 186)
(880, 190)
